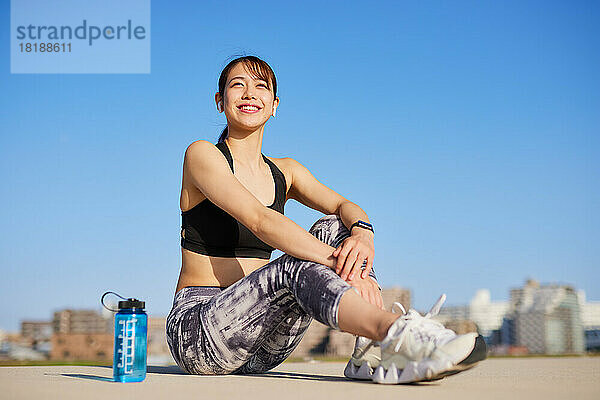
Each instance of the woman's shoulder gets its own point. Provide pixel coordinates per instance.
(288, 163)
(198, 146)
(203, 149)
(285, 165)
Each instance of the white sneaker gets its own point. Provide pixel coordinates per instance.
(366, 356)
(418, 348)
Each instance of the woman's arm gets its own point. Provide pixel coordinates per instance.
(207, 169)
(358, 246)
(307, 190)
(284, 234)
(350, 212)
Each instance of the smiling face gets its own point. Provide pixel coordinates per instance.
(248, 102)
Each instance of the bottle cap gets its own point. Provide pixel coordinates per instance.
(131, 303)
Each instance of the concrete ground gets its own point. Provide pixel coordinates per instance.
(514, 378)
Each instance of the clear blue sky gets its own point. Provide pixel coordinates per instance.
(467, 131)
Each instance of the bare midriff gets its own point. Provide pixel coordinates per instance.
(202, 270)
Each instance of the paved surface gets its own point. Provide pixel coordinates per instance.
(523, 378)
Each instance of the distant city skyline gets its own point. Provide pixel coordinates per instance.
(469, 133)
(479, 295)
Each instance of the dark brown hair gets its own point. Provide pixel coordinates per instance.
(258, 68)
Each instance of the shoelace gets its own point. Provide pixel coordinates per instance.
(363, 344)
(421, 323)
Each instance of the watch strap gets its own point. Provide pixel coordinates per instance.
(362, 224)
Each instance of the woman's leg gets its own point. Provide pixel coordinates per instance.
(282, 341)
(355, 315)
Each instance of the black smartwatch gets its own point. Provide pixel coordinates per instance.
(362, 224)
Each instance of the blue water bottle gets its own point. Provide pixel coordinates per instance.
(131, 332)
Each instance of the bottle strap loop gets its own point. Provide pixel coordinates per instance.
(102, 300)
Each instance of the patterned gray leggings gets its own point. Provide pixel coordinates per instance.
(254, 325)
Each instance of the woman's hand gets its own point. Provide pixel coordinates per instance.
(352, 252)
(368, 289)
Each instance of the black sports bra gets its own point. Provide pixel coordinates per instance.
(208, 229)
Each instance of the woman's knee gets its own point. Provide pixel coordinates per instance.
(330, 229)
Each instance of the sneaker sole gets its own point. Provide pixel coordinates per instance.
(364, 372)
(424, 370)
(479, 353)
(452, 371)
(430, 370)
